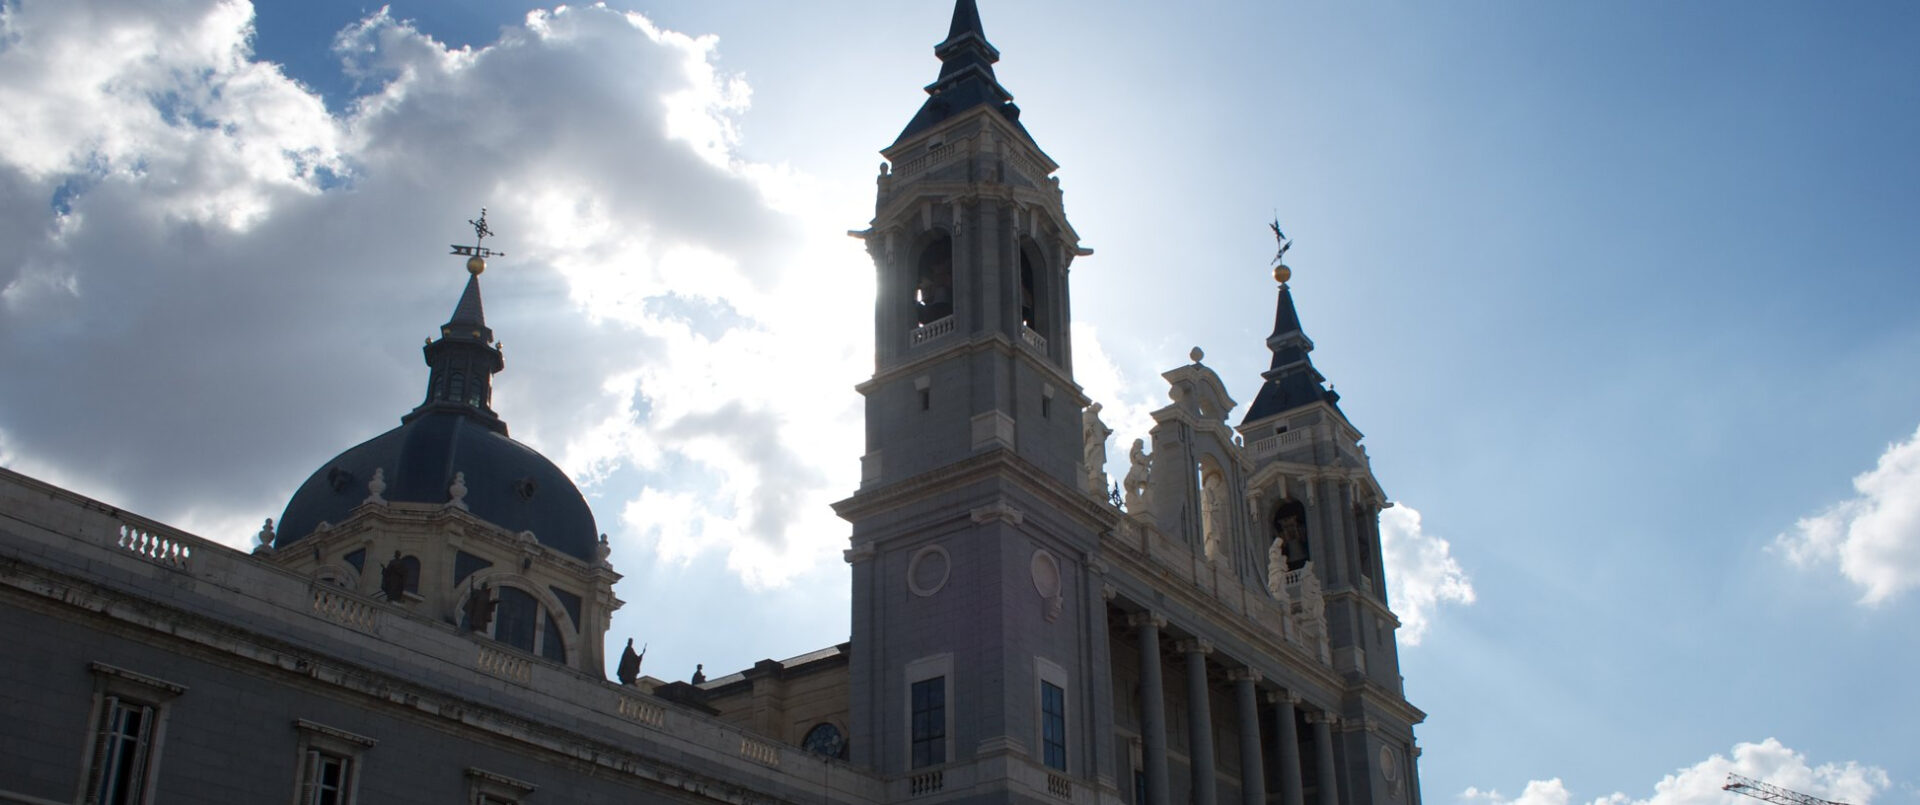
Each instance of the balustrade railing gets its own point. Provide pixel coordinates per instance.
(339, 607)
(926, 783)
(1033, 339)
(504, 665)
(643, 711)
(759, 751)
(1059, 786)
(930, 331)
(1279, 441)
(162, 549)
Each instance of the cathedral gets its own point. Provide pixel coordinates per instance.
(426, 620)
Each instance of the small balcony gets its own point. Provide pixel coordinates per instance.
(930, 331)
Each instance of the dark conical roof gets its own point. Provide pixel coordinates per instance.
(468, 312)
(1291, 381)
(966, 76)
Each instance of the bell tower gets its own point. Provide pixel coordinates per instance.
(978, 625)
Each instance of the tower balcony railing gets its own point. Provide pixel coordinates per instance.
(930, 331)
(1033, 339)
(1280, 441)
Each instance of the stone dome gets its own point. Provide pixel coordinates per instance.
(508, 483)
(454, 430)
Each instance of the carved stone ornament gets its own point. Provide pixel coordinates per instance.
(457, 491)
(928, 570)
(1046, 581)
(377, 486)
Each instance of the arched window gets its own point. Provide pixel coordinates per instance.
(933, 281)
(825, 739)
(456, 386)
(1033, 296)
(521, 622)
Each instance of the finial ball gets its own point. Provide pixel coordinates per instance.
(476, 264)
(1196, 354)
(1281, 273)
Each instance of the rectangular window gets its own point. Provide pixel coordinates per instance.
(930, 722)
(1053, 726)
(327, 779)
(122, 752)
(330, 761)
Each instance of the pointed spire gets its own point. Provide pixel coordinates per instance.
(966, 75)
(1291, 381)
(468, 312)
(966, 20)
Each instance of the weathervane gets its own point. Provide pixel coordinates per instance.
(477, 254)
(1280, 271)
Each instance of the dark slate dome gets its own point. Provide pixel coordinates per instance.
(508, 483)
(454, 430)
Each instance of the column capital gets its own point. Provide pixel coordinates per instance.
(1279, 696)
(1146, 618)
(1193, 645)
(1246, 674)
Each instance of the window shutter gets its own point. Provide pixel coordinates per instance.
(97, 768)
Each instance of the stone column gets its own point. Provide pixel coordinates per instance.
(1153, 708)
(1206, 788)
(1253, 772)
(1323, 751)
(1286, 749)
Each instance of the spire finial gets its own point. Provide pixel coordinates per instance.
(477, 254)
(1281, 273)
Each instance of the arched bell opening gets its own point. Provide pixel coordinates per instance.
(933, 281)
(1289, 526)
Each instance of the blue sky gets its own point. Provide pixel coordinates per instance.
(1619, 293)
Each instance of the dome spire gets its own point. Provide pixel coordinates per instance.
(464, 358)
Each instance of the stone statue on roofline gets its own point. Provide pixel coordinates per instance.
(393, 579)
(1095, 434)
(1135, 485)
(480, 604)
(629, 669)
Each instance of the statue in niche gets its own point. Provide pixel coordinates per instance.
(480, 604)
(393, 579)
(1135, 485)
(1213, 496)
(1095, 434)
(629, 669)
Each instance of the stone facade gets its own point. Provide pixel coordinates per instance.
(1219, 633)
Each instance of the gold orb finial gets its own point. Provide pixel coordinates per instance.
(1281, 273)
(476, 264)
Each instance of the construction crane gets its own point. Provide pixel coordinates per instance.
(1771, 793)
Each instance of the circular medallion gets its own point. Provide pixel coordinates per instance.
(928, 569)
(1046, 574)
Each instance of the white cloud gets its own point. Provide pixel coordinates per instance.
(1700, 784)
(212, 284)
(1537, 792)
(1421, 572)
(1874, 536)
